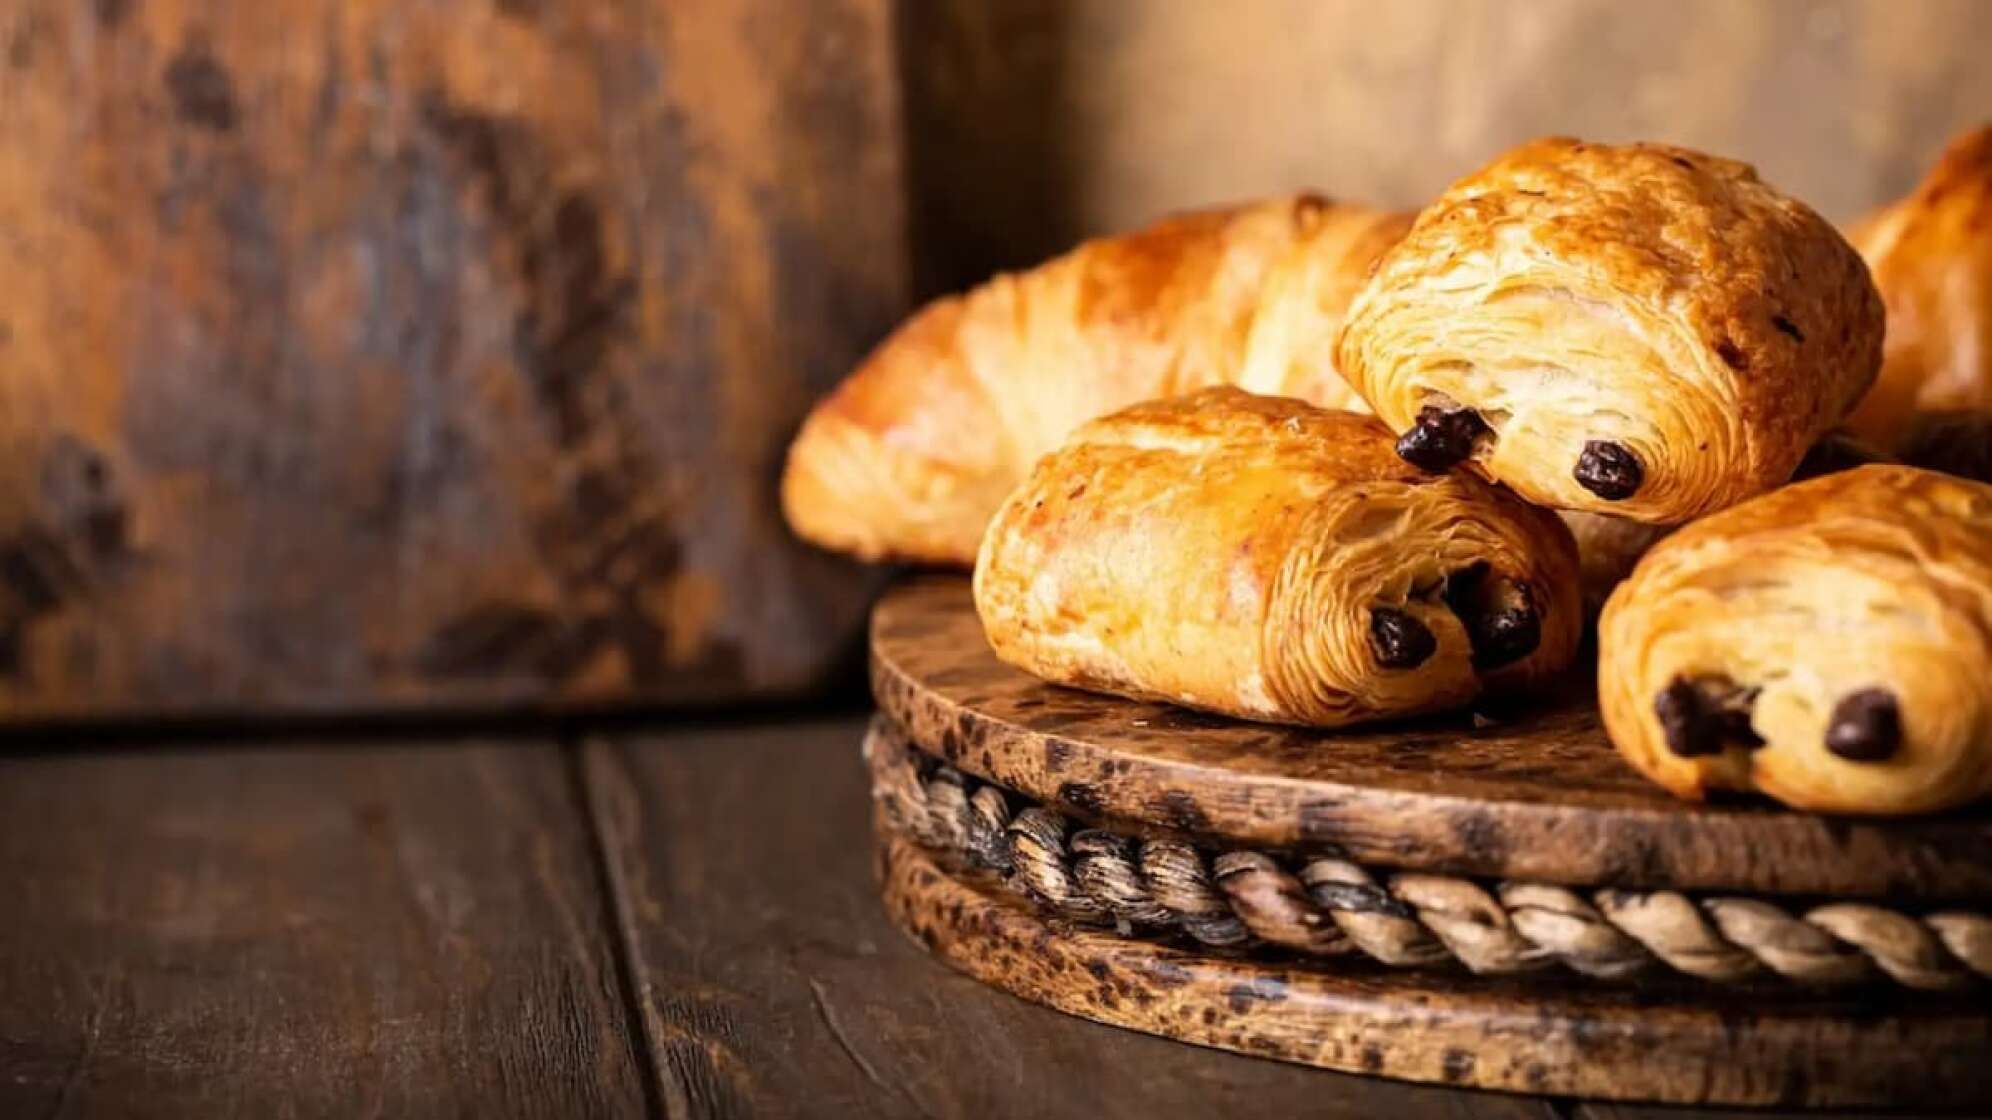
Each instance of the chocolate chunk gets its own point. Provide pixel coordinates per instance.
(1608, 470)
(1399, 640)
(1704, 716)
(1866, 726)
(1500, 616)
(1441, 439)
(1509, 635)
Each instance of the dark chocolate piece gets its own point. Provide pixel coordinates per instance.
(1608, 470)
(1399, 640)
(1704, 716)
(1441, 439)
(1500, 616)
(1866, 726)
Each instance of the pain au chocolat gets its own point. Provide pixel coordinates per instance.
(1639, 330)
(1827, 644)
(1261, 558)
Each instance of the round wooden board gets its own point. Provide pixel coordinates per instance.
(1657, 1043)
(1532, 792)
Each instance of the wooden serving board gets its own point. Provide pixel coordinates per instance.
(1076, 918)
(1793, 1048)
(1532, 791)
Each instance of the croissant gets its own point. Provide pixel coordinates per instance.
(1262, 558)
(1931, 255)
(910, 456)
(1826, 644)
(1644, 331)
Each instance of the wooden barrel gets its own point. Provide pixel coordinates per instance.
(361, 354)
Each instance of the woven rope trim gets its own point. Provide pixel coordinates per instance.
(1327, 906)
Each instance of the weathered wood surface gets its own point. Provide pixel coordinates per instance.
(489, 929)
(371, 353)
(306, 930)
(1036, 122)
(1532, 791)
(1683, 1046)
(777, 986)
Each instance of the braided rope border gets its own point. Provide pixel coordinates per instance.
(1328, 906)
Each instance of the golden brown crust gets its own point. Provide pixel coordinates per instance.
(1226, 552)
(1652, 297)
(913, 452)
(1876, 580)
(1931, 255)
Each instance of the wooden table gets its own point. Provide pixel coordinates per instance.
(618, 919)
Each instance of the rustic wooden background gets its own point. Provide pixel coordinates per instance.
(360, 353)
(1036, 122)
(374, 353)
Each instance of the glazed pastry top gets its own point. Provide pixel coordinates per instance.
(1642, 330)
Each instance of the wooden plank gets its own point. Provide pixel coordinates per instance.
(361, 353)
(1586, 1111)
(1034, 123)
(774, 984)
(319, 930)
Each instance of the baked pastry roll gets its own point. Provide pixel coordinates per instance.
(1827, 644)
(1262, 558)
(909, 457)
(1644, 331)
(1931, 256)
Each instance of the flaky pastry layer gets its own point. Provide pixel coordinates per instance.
(1639, 330)
(1828, 644)
(1262, 558)
(1931, 256)
(911, 454)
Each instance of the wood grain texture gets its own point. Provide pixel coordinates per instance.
(1604, 1111)
(775, 985)
(1033, 124)
(1532, 791)
(363, 354)
(305, 930)
(1649, 1044)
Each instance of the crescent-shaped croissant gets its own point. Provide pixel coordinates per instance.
(1262, 558)
(1931, 255)
(913, 452)
(1639, 330)
(1826, 644)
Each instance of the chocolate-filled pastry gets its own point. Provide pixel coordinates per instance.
(914, 451)
(1262, 558)
(1644, 331)
(1931, 255)
(1827, 644)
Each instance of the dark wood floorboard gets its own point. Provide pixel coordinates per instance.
(1654, 1113)
(267, 931)
(776, 987)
